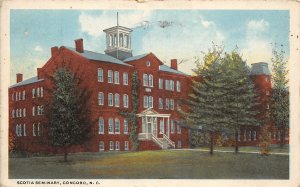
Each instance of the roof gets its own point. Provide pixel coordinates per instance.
(136, 57)
(98, 56)
(260, 68)
(170, 70)
(27, 81)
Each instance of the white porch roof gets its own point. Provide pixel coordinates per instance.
(152, 113)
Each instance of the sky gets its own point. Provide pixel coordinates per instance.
(169, 34)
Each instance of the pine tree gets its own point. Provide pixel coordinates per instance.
(68, 114)
(240, 99)
(280, 93)
(205, 103)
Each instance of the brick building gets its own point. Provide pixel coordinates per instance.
(108, 76)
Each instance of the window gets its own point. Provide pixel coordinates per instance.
(111, 145)
(150, 81)
(24, 129)
(145, 101)
(33, 130)
(167, 104)
(100, 98)
(117, 146)
(42, 92)
(38, 110)
(161, 103)
(101, 126)
(178, 86)
(20, 112)
(42, 109)
(110, 99)
(125, 78)
(254, 135)
(13, 113)
(17, 130)
(250, 135)
(24, 95)
(100, 75)
(145, 79)
(179, 144)
(17, 113)
(110, 126)
(117, 126)
(172, 85)
(172, 104)
(125, 101)
(178, 105)
(117, 81)
(110, 76)
(38, 129)
(19, 93)
(117, 100)
(24, 112)
(150, 102)
(38, 92)
(148, 63)
(178, 129)
(125, 126)
(239, 136)
(160, 83)
(126, 146)
(167, 84)
(33, 93)
(101, 146)
(161, 127)
(172, 126)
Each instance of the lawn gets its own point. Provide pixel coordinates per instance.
(169, 164)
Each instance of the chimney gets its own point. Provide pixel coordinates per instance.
(174, 64)
(19, 77)
(54, 50)
(79, 45)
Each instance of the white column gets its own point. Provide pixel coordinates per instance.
(168, 127)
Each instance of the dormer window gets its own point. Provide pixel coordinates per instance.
(148, 63)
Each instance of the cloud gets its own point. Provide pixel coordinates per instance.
(206, 23)
(38, 48)
(257, 25)
(94, 25)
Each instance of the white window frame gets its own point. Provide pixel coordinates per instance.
(110, 126)
(110, 99)
(117, 126)
(17, 130)
(117, 100)
(178, 86)
(38, 92)
(24, 129)
(171, 85)
(19, 93)
(125, 101)
(161, 127)
(101, 126)
(24, 93)
(126, 146)
(117, 77)
(172, 126)
(100, 98)
(145, 79)
(145, 101)
(160, 103)
(42, 92)
(172, 104)
(33, 130)
(150, 79)
(254, 135)
(101, 146)
(148, 63)
(125, 78)
(39, 129)
(110, 76)
(111, 145)
(167, 105)
(20, 112)
(150, 100)
(167, 84)
(100, 75)
(160, 83)
(125, 126)
(117, 146)
(24, 112)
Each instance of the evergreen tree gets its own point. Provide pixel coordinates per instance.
(205, 103)
(68, 114)
(280, 93)
(240, 99)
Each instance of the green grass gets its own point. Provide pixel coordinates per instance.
(170, 164)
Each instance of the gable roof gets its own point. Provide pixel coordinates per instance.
(98, 56)
(170, 70)
(27, 81)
